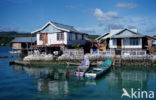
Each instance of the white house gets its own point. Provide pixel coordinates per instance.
(122, 39)
(54, 34)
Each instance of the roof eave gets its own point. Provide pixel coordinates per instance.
(128, 37)
(47, 25)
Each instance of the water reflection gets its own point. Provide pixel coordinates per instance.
(53, 80)
(130, 77)
(48, 72)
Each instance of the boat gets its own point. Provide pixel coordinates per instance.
(81, 72)
(15, 52)
(100, 70)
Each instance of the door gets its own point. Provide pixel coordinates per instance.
(45, 38)
(118, 43)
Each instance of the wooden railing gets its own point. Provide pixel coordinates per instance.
(133, 52)
(123, 52)
(74, 52)
(107, 52)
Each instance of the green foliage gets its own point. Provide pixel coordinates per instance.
(6, 40)
(7, 37)
(14, 34)
(77, 46)
(92, 37)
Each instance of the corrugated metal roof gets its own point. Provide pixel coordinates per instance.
(119, 33)
(59, 26)
(70, 28)
(24, 39)
(127, 33)
(102, 36)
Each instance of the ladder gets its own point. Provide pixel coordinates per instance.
(117, 61)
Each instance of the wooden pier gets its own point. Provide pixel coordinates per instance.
(20, 63)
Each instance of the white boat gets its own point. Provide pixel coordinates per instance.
(98, 71)
(85, 63)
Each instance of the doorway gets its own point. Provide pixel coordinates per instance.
(119, 43)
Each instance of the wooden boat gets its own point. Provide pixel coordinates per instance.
(85, 63)
(98, 71)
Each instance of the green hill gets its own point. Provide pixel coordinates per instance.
(6, 37)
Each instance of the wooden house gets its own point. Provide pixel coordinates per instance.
(122, 39)
(58, 36)
(23, 43)
(150, 41)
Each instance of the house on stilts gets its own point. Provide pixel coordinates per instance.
(23, 44)
(123, 42)
(58, 37)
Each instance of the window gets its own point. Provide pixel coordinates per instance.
(40, 37)
(60, 36)
(114, 41)
(82, 37)
(76, 37)
(134, 41)
(125, 40)
(70, 36)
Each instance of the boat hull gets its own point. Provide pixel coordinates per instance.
(97, 72)
(79, 74)
(82, 68)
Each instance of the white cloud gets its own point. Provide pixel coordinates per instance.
(101, 16)
(101, 28)
(126, 5)
(127, 22)
(95, 30)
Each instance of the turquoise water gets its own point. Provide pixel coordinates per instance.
(50, 82)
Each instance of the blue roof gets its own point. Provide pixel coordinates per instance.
(24, 39)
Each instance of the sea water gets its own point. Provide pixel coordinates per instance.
(51, 82)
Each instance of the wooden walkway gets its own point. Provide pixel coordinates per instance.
(19, 63)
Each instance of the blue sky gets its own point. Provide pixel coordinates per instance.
(91, 16)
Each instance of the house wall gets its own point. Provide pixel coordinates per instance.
(52, 39)
(151, 48)
(111, 45)
(68, 39)
(103, 45)
(39, 42)
(125, 43)
(71, 39)
(16, 46)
